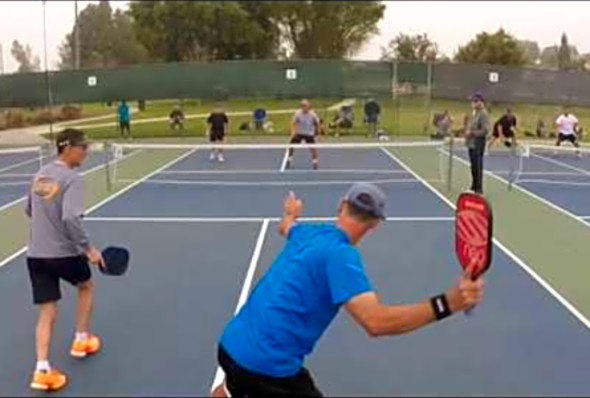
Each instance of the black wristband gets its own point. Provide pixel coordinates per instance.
(440, 306)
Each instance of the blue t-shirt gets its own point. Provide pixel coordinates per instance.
(123, 111)
(295, 301)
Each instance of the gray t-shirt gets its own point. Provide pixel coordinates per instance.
(305, 123)
(55, 207)
(478, 126)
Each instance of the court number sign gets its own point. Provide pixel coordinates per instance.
(494, 77)
(291, 74)
(92, 81)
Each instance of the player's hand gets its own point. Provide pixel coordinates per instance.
(466, 294)
(94, 256)
(293, 206)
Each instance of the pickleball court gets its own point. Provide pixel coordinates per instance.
(200, 235)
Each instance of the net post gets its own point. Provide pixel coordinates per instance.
(394, 84)
(428, 98)
(451, 160)
(40, 157)
(107, 166)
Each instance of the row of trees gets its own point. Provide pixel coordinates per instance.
(499, 48)
(164, 31)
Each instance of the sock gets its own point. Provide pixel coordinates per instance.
(81, 336)
(314, 161)
(42, 366)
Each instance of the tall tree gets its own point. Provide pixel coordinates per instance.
(327, 29)
(550, 56)
(564, 55)
(106, 39)
(531, 51)
(23, 54)
(411, 48)
(201, 30)
(498, 48)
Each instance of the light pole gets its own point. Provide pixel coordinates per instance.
(76, 37)
(47, 85)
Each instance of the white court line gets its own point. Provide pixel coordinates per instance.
(108, 198)
(16, 175)
(17, 165)
(284, 161)
(569, 306)
(562, 164)
(246, 219)
(219, 375)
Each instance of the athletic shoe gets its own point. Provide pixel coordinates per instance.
(220, 158)
(88, 346)
(315, 166)
(51, 380)
(212, 156)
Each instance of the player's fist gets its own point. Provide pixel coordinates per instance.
(466, 294)
(94, 256)
(292, 206)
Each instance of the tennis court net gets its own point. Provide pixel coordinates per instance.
(266, 165)
(552, 165)
(18, 165)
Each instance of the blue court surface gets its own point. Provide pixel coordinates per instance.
(201, 234)
(17, 169)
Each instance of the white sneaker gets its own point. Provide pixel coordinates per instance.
(212, 156)
(220, 158)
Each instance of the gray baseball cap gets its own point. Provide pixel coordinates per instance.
(368, 198)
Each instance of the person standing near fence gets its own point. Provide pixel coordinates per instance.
(124, 117)
(304, 128)
(477, 128)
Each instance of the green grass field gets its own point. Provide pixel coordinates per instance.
(406, 116)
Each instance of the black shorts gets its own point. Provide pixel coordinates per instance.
(298, 138)
(45, 275)
(573, 138)
(124, 125)
(242, 383)
(507, 133)
(215, 135)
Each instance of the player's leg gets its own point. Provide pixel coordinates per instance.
(220, 140)
(46, 294)
(296, 139)
(76, 271)
(212, 141)
(314, 153)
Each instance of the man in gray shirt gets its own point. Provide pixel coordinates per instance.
(304, 127)
(59, 248)
(476, 132)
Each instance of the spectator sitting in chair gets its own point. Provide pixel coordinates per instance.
(343, 119)
(259, 117)
(443, 123)
(177, 118)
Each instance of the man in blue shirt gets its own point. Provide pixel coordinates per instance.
(124, 117)
(263, 347)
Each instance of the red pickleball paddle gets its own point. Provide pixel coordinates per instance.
(473, 233)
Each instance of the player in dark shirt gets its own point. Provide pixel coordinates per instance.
(217, 123)
(504, 128)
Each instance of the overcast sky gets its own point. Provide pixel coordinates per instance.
(449, 23)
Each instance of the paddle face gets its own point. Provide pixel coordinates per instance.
(116, 261)
(473, 233)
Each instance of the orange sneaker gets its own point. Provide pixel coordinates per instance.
(51, 380)
(89, 346)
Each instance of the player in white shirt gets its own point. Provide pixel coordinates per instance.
(567, 125)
